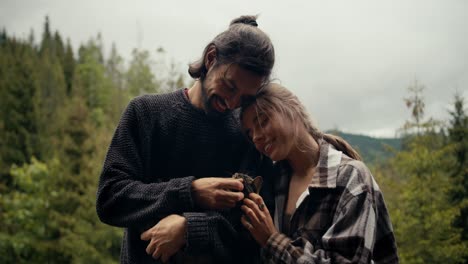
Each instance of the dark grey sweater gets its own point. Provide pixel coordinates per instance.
(160, 146)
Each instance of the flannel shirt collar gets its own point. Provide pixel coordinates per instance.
(327, 168)
(325, 176)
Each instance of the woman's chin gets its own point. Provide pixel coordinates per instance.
(274, 157)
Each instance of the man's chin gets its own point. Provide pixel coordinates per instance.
(210, 110)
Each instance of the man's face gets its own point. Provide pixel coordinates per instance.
(226, 86)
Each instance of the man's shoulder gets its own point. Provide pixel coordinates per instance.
(156, 99)
(153, 103)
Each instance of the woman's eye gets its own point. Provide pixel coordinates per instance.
(263, 122)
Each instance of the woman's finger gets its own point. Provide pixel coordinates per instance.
(256, 198)
(259, 201)
(251, 214)
(255, 207)
(246, 223)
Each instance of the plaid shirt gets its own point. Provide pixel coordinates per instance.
(340, 218)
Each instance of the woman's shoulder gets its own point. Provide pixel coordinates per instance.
(355, 176)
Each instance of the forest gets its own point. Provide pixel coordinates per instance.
(60, 107)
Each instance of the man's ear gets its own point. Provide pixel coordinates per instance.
(210, 57)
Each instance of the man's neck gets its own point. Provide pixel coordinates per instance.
(195, 95)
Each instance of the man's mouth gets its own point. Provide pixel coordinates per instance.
(219, 104)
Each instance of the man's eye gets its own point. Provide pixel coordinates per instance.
(229, 87)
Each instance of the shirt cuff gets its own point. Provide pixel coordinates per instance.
(198, 236)
(276, 244)
(185, 193)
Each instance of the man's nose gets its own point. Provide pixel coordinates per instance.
(233, 102)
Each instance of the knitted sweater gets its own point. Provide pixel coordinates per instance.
(160, 146)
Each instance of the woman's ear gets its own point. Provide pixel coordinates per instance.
(210, 57)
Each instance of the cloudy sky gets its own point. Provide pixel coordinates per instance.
(350, 62)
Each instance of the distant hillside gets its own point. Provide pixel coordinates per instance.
(371, 149)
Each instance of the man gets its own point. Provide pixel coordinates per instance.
(164, 177)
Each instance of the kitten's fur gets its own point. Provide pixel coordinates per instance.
(250, 185)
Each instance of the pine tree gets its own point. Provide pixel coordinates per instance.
(47, 44)
(91, 82)
(140, 78)
(18, 85)
(31, 39)
(421, 204)
(115, 71)
(3, 36)
(68, 67)
(458, 136)
(49, 99)
(423, 213)
(59, 48)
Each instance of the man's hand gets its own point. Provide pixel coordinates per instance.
(167, 237)
(217, 193)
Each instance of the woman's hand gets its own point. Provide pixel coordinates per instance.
(259, 222)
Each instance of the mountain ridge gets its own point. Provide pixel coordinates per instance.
(372, 149)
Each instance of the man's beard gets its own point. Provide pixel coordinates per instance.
(208, 105)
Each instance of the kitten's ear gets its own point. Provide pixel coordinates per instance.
(257, 182)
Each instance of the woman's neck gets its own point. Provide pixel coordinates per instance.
(304, 158)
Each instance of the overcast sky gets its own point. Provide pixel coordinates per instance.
(350, 62)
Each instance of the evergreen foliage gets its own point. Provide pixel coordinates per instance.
(58, 114)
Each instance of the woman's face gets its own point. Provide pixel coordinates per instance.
(272, 133)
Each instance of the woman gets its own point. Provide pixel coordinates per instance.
(328, 207)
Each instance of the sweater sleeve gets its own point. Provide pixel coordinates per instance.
(221, 235)
(124, 199)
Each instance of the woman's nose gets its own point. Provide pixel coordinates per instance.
(257, 137)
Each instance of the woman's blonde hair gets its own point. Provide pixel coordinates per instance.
(275, 98)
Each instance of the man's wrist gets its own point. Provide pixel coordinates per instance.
(197, 235)
(185, 194)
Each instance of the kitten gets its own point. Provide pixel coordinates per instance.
(250, 185)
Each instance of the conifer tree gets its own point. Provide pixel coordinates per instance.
(47, 44)
(140, 78)
(18, 85)
(59, 48)
(423, 212)
(68, 67)
(458, 136)
(115, 71)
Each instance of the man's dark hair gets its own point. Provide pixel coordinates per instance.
(244, 44)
